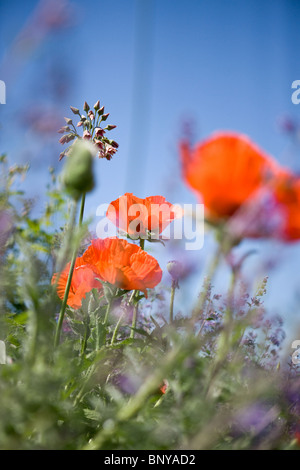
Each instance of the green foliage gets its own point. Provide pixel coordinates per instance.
(101, 388)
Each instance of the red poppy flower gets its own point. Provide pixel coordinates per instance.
(123, 264)
(225, 170)
(287, 194)
(84, 279)
(137, 216)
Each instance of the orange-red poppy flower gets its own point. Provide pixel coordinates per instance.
(287, 195)
(123, 264)
(84, 279)
(137, 217)
(225, 171)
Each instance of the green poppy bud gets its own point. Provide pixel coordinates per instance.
(78, 177)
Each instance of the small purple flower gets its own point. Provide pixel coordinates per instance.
(277, 337)
(127, 383)
(254, 418)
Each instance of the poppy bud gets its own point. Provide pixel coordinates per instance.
(175, 270)
(86, 107)
(101, 111)
(97, 106)
(110, 127)
(78, 175)
(105, 116)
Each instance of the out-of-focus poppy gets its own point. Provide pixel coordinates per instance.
(123, 264)
(84, 279)
(287, 195)
(225, 171)
(141, 218)
(273, 211)
(259, 217)
(163, 388)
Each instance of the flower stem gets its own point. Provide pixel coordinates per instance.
(68, 285)
(142, 243)
(114, 336)
(173, 288)
(70, 275)
(212, 268)
(86, 336)
(134, 319)
(81, 209)
(64, 303)
(108, 309)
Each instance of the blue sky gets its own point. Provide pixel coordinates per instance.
(156, 64)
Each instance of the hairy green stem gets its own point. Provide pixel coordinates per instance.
(84, 387)
(173, 288)
(86, 336)
(97, 333)
(134, 319)
(114, 336)
(135, 301)
(34, 333)
(210, 275)
(108, 309)
(70, 275)
(81, 210)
